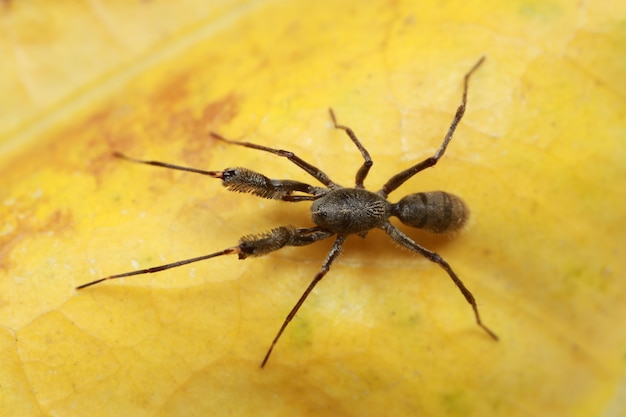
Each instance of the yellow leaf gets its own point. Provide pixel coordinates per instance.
(539, 159)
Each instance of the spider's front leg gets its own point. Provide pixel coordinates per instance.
(312, 170)
(249, 245)
(245, 180)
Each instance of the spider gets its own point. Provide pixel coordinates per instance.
(337, 211)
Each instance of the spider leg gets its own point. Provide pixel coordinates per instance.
(250, 245)
(213, 174)
(315, 172)
(247, 181)
(332, 255)
(227, 251)
(367, 163)
(408, 243)
(400, 178)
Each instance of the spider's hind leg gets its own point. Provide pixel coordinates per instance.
(408, 243)
(400, 178)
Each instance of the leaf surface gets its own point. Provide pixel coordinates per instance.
(539, 159)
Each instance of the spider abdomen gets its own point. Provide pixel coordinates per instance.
(435, 211)
(350, 210)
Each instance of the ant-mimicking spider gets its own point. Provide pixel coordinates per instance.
(337, 210)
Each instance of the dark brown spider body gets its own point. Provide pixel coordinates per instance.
(350, 210)
(337, 211)
(356, 211)
(435, 211)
